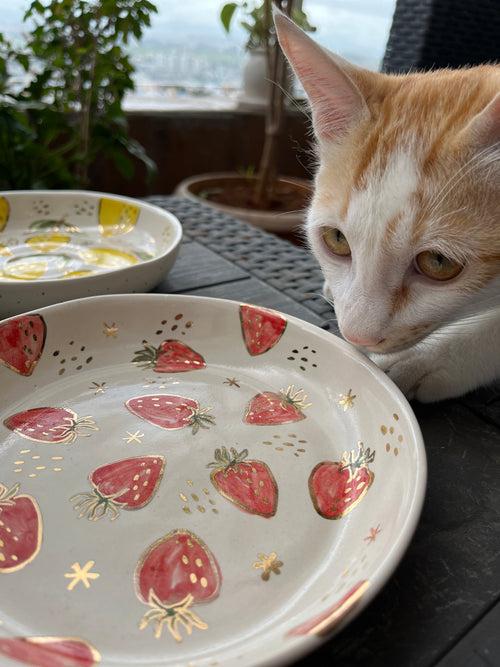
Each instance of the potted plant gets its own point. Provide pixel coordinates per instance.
(68, 111)
(265, 199)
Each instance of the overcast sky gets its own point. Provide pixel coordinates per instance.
(357, 29)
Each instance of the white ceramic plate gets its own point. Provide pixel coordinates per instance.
(61, 245)
(188, 481)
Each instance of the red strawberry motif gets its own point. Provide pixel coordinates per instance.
(50, 651)
(323, 623)
(261, 328)
(170, 411)
(248, 484)
(20, 529)
(336, 487)
(128, 484)
(53, 425)
(270, 408)
(174, 573)
(172, 356)
(21, 343)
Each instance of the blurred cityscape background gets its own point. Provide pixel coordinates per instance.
(186, 60)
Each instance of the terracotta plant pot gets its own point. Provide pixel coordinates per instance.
(219, 189)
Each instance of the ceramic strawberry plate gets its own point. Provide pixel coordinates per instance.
(191, 481)
(60, 245)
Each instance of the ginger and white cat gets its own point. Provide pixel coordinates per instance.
(405, 217)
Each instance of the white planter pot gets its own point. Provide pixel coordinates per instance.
(256, 85)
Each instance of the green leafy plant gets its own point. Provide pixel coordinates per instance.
(69, 111)
(261, 31)
(256, 21)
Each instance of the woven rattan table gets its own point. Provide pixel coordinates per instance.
(442, 607)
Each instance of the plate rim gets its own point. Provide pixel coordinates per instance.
(285, 654)
(50, 282)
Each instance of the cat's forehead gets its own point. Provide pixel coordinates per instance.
(377, 208)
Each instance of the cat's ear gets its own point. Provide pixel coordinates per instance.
(484, 129)
(336, 101)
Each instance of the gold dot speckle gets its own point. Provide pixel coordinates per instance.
(400, 438)
(396, 417)
(186, 509)
(387, 447)
(201, 509)
(203, 582)
(195, 497)
(185, 559)
(383, 429)
(396, 451)
(198, 562)
(193, 578)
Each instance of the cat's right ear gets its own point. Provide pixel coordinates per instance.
(336, 102)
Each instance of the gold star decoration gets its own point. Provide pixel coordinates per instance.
(110, 330)
(372, 535)
(232, 382)
(268, 564)
(99, 387)
(346, 401)
(133, 437)
(82, 574)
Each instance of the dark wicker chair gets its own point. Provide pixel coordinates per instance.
(429, 34)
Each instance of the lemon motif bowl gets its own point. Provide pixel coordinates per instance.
(61, 245)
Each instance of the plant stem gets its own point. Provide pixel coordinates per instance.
(274, 115)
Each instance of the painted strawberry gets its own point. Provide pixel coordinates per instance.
(247, 483)
(261, 328)
(52, 425)
(269, 408)
(173, 574)
(326, 621)
(50, 651)
(128, 484)
(336, 487)
(20, 529)
(172, 356)
(21, 343)
(170, 411)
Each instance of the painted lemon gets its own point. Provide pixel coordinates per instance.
(116, 217)
(4, 213)
(25, 268)
(78, 274)
(109, 258)
(47, 242)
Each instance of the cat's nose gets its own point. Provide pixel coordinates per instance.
(363, 341)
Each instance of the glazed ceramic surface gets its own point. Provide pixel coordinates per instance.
(190, 481)
(60, 245)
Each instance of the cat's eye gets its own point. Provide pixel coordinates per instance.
(336, 242)
(436, 266)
